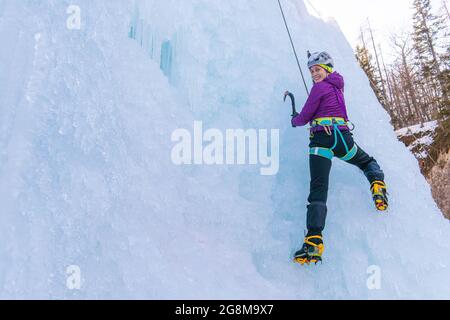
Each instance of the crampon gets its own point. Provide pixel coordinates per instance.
(379, 194)
(311, 252)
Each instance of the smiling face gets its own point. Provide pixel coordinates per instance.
(318, 74)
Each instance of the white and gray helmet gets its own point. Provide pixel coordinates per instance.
(320, 58)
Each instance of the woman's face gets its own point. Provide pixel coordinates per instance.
(318, 74)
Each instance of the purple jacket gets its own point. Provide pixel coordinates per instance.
(326, 100)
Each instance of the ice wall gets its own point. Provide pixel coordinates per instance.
(86, 178)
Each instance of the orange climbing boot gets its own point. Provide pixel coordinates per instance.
(379, 194)
(311, 252)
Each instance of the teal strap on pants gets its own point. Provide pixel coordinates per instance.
(329, 153)
(351, 154)
(322, 152)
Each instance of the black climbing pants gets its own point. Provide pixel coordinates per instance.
(320, 168)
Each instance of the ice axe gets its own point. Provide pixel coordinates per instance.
(291, 96)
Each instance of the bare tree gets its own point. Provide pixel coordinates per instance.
(401, 45)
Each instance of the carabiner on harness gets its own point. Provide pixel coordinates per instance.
(328, 153)
(353, 126)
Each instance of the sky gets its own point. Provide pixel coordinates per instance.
(385, 16)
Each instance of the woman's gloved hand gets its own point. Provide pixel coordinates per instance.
(292, 119)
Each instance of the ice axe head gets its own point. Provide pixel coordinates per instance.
(291, 96)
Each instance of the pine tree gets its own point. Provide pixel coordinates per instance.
(427, 28)
(444, 75)
(365, 60)
(416, 87)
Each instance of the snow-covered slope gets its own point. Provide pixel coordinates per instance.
(87, 179)
(418, 138)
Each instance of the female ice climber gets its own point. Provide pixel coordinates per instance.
(331, 137)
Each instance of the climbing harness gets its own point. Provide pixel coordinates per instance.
(328, 123)
(293, 46)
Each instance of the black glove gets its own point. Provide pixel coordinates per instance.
(292, 119)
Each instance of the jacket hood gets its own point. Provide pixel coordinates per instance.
(336, 80)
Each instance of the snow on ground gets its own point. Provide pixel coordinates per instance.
(418, 128)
